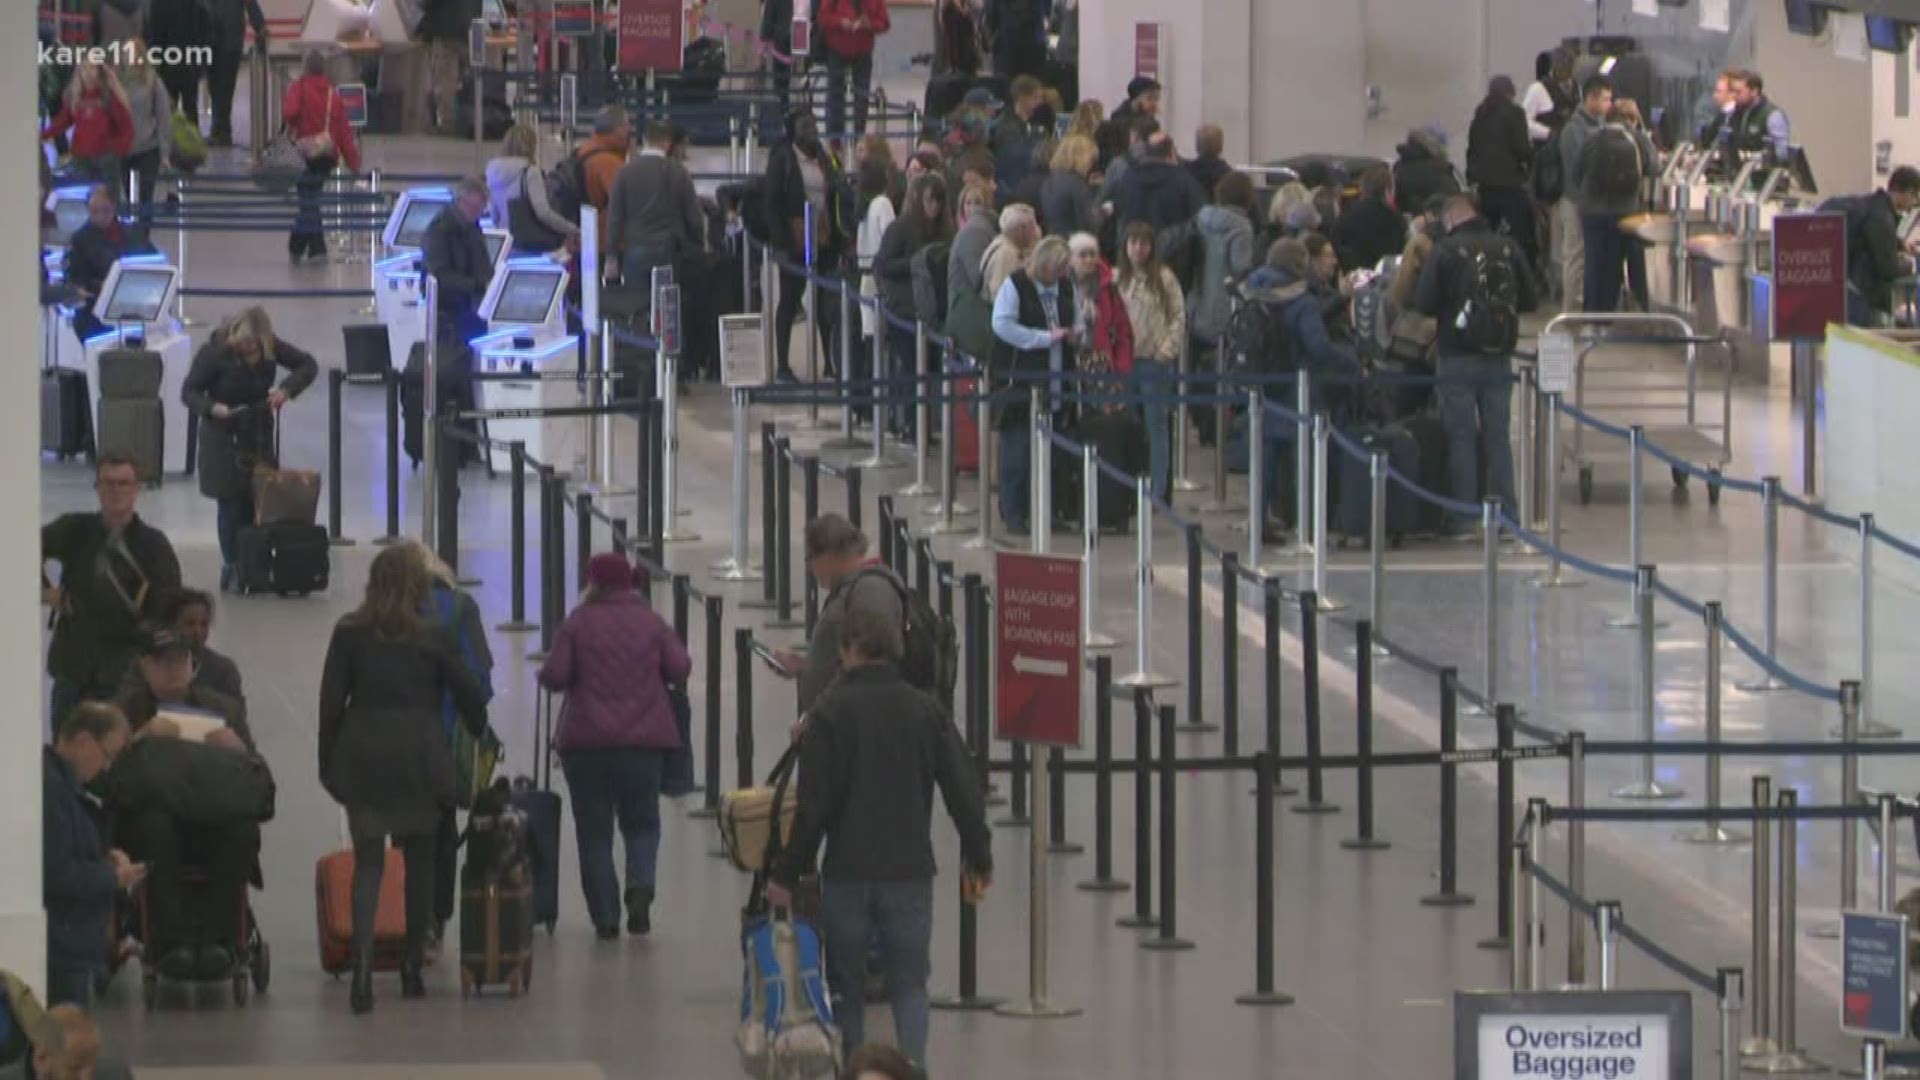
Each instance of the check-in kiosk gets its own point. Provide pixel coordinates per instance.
(527, 334)
(68, 205)
(134, 303)
(396, 298)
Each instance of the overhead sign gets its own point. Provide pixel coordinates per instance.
(1037, 648)
(1149, 43)
(651, 35)
(1646, 1035)
(1557, 355)
(573, 18)
(477, 45)
(1873, 974)
(666, 319)
(1809, 275)
(743, 353)
(353, 98)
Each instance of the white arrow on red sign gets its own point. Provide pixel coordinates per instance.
(1027, 665)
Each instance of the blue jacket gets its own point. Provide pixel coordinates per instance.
(1313, 349)
(78, 884)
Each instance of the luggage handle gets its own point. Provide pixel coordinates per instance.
(781, 775)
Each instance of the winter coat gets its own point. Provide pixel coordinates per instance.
(103, 602)
(1499, 151)
(77, 882)
(966, 260)
(614, 658)
(1111, 334)
(1158, 313)
(1066, 204)
(138, 702)
(1423, 171)
(313, 105)
(1160, 193)
(601, 159)
(92, 251)
(787, 203)
(152, 113)
(837, 18)
(97, 124)
(230, 448)
(1207, 172)
(1311, 348)
(178, 23)
(893, 267)
(1447, 280)
(232, 17)
(1228, 239)
(445, 20)
(455, 253)
(510, 178)
(1368, 232)
(382, 745)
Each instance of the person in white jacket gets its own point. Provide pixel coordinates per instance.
(517, 195)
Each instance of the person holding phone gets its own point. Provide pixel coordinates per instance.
(852, 581)
(1034, 326)
(81, 877)
(874, 750)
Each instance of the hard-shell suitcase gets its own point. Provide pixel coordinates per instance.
(333, 907)
(130, 373)
(65, 424)
(286, 559)
(134, 428)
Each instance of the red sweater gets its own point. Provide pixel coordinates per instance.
(836, 25)
(100, 123)
(312, 106)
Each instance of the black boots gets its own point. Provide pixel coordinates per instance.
(360, 994)
(639, 910)
(412, 984)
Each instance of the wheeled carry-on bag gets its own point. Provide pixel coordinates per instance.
(1352, 495)
(333, 904)
(496, 897)
(65, 424)
(541, 806)
(286, 559)
(135, 429)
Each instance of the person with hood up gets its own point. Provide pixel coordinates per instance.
(1499, 159)
(1157, 190)
(1372, 228)
(1066, 195)
(1285, 283)
(805, 186)
(1423, 169)
(519, 196)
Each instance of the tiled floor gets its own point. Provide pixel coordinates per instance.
(1372, 969)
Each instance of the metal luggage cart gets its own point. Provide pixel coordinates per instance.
(1633, 389)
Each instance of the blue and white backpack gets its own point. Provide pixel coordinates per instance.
(786, 1017)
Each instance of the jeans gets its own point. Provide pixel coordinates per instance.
(1016, 468)
(1476, 408)
(898, 917)
(1278, 475)
(309, 234)
(637, 265)
(1152, 381)
(1606, 261)
(369, 866)
(839, 68)
(234, 514)
(67, 985)
(622, 783)
(1636, 253)
(902, 416)
(793, 289)
(1573, 254)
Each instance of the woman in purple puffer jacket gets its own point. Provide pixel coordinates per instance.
(614, 659)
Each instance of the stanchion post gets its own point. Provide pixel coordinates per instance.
(1576, 855)
(770, 460)
(1503, 717)
(1230, 654)
(517, 539)
(738, 565)
(1870, 727)
(743, 706)
(1553, 578)
(924, 385)
(1850, 795)
(1196, 614)
(391, 379)
(710, 793)
(1142, 916)
(1365, 840)
(1449, 894)
(854, 502)
(1270, 653)
(1168, 939)
(983, 464)
(1787, 1057)
(1731, 1000)
(582, 536)
(1516, 861)
(1103, 879)
(1377, 547)
(430, 399)
(1759, 1043)
(1770, 584)
(810, 506)
(1264, 838)
(1182, 422)
(1316, 802)
(1322, 451)
(1712, 831)
(1143, 676)
(1057, 842)
(682, 599)
(1222, 417)
(1636, 551)
(1257, 478)
(1648, 786)
(1090, 552)
(336, 379)
(948, 508)
(1606, 930)
(1489, 606)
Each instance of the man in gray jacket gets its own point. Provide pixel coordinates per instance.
(853, 581)
(653, 214)
(1571, 145)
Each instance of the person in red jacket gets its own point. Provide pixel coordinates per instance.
(1109, 342)
(317, 119)
(94, 115)
(848, 28)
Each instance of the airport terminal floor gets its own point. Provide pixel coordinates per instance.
(1373, 969)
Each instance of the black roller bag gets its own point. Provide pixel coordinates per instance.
(1352, 494)
(66, 426)
(1120, 439)
(541, 807)
(286, 559)
(629, 307)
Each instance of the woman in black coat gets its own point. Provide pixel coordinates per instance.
(383, 749)
(230, 387)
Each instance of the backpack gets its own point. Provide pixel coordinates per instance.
(567, 183)
(1257, 335)
(529, 233)
(1183, 250)
(1489, 319)
(1613, 167)
(931, 658)
(1549, 171)
(930, 282)
(786, 1016)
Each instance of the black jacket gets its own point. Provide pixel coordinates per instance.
(103, 600)
(874, 750)
(1499, 150)
(1421, 172)
(1066, 204)
(91, 253)
(893, 267)
(230, 19)
(787, 203)
(446, 20)
(77, 883)
(217, 672)
(455, 253)
(1368, 232)
(382, 743)
(230, 448)
(1447, 279)
(1875, 260)
(1008, 361)
(1207, 172)
(1160, 193)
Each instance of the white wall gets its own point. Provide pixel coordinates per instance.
(22, 923)
(1828, 100)
(1903, 132)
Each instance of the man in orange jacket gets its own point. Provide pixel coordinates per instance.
(848, 29)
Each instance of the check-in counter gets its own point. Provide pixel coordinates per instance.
(1871, 383)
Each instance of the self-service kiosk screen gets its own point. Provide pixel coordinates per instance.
(413, 227)
(137, 297)
(525, 297)
(494, 244)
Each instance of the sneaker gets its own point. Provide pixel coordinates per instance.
(639, 910)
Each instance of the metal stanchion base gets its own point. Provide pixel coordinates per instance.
(877, 461)
(1324, 603)
(1379, 651)
(536, 656)
(1316, 809)
(947, 528)
(1647, 789)
(1065, 847)
(917, 490)
(729, 563)
(1166, 944)
(341, 541)
(1631, 621)
(1144, 680)
(1014, 822)
(966, 1004)
(704, 813)
(1198, 727)
(520, 626)
(1137, 922)
(1098, 642)
(1365, 843)
(1766, 685)
(1711, 834)
(960, 510)
(1494, 944)
(388, 541)
(609, 491)
(1181, 483)
(1447, 899)
(1275, 998)
(1108, 885)
(678, 536)
(1281, 789)
(1036, 1010)
(1555, 581)
(1785, 1063)
(1870, 729)
(1754, 1046)
(737, 573)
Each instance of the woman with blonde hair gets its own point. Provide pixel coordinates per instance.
(1288, 198)
(517, 193)
(1158, 312)
(97, 122)
(1066, 195)
(231, 388)
(152, 112)
(1087, 118)
(382, 754)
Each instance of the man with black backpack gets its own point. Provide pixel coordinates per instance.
(1476, 285)
(1606, 168)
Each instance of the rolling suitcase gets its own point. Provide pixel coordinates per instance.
(65, 423)
(286, 559)
(135, 429)
(966, 427)
(1352, 494)
(333, 906)
(496, 898)
(1120, 438)
(129, 373)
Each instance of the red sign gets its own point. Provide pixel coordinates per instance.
(651, 35)
(1809, 275)
(1146, 49)
(1037, 648)
(800, 40)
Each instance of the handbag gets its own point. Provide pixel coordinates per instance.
(677, 774)
(281, 163)
(756, 822)
(314, 147)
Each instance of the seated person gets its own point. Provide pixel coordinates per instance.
(189, 614)
(223, 853)
(92, 251)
